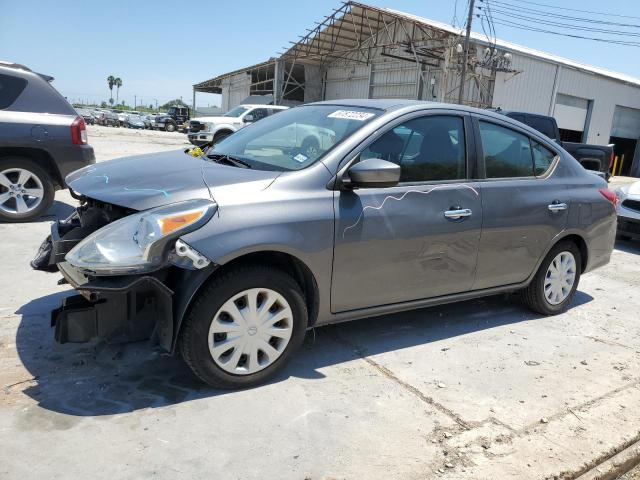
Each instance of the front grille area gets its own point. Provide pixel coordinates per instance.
(632, 205)
(195, 126)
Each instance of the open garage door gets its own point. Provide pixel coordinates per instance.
(625, 132)
(571, 114)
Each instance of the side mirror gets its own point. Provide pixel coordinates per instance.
(247, 118)
(373, 173)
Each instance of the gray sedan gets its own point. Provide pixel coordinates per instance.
(231, 256)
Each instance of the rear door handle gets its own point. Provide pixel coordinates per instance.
(557, 207)
(458, 213)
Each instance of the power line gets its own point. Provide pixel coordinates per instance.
(543, 13)
(508, 23)
(577, 10)
(565, 25)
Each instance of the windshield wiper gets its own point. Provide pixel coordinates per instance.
(236, 162)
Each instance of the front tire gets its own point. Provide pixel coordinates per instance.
(218, 137)
(244, 326)
(26, 190)
(170, 127)
(552, 289)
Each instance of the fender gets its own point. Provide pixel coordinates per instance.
(215, 128)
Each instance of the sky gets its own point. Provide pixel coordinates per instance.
(161, 48)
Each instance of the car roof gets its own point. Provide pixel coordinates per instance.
(390, 104)
(262, 105)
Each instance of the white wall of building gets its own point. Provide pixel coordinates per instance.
(535, 90)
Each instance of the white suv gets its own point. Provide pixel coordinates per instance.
(203, 130)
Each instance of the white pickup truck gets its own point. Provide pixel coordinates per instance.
(204, 130)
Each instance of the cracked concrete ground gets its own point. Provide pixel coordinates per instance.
(478, 390)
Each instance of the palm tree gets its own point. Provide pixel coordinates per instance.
(111, 80)
(118, 84)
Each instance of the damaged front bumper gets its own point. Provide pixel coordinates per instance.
(117, 309)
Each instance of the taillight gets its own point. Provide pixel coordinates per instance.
(609, 195)
(79, 132)
(611, 159)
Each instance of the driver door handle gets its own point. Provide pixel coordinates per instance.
(557, 207)
(458, 213)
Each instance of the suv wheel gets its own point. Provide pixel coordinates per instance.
(26, 190)
(244, 326)
(552, 289)
(170, 127)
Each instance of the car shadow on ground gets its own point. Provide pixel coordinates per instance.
(58, 211)
(628, 246)
(99, 379)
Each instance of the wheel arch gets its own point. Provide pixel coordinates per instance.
(196, 280)
(41, 157)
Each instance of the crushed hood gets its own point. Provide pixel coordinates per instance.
(148, 181)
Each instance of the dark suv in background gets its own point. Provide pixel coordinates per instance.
(42, 139)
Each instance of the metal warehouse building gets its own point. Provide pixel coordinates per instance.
(360, 51)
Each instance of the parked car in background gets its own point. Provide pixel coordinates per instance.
(598, 158)
(148, 120)
(210, 130)
(629, 211)
(42, 140)
(231, 256)
(175, 118)
(122, 117)
(134, 121)
(87, 114)
(98, 116)
(110, 119)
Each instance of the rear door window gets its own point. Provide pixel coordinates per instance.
(507, 153)
(10, 90)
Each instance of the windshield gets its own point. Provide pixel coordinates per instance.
(295, 138)
(135, 118)
(235, 112)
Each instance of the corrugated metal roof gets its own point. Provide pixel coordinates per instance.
(481, 38)
(337, 38)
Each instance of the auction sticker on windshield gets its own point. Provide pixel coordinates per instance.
(351, 115)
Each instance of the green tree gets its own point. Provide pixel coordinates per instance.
(103, 105)
(118, 83)
(111, 81)
(173, 103)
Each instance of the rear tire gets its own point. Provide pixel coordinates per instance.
(38, 182)
(232, 368)
(540, 296)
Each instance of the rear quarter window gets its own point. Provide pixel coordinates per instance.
(10, 90)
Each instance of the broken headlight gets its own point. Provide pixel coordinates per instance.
(138, 243)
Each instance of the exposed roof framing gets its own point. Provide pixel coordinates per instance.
(355, 28)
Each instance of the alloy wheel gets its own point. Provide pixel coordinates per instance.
(250, 331)
(560, 277)
(21, 191)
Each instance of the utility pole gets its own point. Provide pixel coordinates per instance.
(463, 73)
(135, 97)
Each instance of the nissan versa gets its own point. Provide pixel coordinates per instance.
(231, 256)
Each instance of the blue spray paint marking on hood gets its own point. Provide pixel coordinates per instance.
(147, 181)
